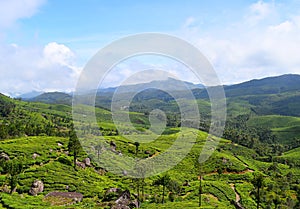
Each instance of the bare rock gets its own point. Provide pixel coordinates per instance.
(124, 198)
(113, 190)
(4, 156)
(87, 162)
(36, 187)
(35, 155)
(125, 173)
(5, 189)
(134, 204)
(80, 164)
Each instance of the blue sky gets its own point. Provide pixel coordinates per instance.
(44, 44)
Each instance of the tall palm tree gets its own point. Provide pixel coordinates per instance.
(163, 181)
(258, 182)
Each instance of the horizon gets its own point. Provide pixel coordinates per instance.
(112, 87)
(44, 46)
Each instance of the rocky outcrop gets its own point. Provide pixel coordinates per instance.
(36, 187)
(86, 163)
(122, 200)
(80, 164)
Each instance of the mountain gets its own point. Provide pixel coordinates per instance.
(53, 98)
(278, 95)
(170, 84)
(30, 95)
(269, 85)
(272, 95)
(37, 134)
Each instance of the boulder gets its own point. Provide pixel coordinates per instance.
(36, 187)
(124, 198)
(4, 156)
(35, 155)
(80, 164)
(125, 173)
(5, 189)
(134, 204)
(87, 162)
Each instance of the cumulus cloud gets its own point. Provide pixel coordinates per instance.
(42, 68)
(263, 42)
(48, 68)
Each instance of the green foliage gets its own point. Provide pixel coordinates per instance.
(13, 168)
(261, 141)
(163, 181)
(74, 146)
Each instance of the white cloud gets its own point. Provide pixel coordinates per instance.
(259, 11)
(44, 68)
(267, 45)
(48, 68)
(12, 10)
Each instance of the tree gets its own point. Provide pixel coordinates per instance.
(175, 189)
(13, 168)
(74, 146)
(137, 144)
(200, 176)
(163, 181)
(98, 148)
(258, 182)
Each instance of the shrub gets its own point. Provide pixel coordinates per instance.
(65, 160)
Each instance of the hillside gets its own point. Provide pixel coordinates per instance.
(254, 145)
(53, 98)
(270, 85)
(278, 95)
(227, 176)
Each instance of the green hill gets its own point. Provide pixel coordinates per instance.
(53, 98)
(270, 85)
(37, 134)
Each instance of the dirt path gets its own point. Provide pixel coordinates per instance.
(237, 196)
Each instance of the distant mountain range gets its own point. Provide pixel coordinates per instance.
(270, 85)
(53, 98)
(271, 95)
(170, 84)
